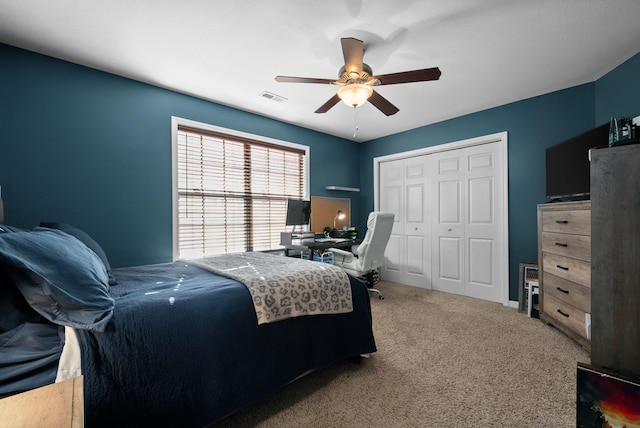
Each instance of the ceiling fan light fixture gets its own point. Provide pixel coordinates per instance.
(355, 94)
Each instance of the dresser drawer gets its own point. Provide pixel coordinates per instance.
(565, 267)
(577, 222)
(564, 244)
(564, 313)
(574, 294)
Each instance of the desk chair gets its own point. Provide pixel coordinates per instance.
(367, 257)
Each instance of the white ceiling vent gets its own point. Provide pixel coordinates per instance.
(273, 97)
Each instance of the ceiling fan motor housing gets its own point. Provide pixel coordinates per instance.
(355, 77)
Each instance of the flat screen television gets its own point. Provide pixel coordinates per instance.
(568, 166)
(298, 212)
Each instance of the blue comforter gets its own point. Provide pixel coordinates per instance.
(183, 348)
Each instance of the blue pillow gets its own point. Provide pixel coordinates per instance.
(60, 277)
(14, 309)
(86, 240)
(6, 229)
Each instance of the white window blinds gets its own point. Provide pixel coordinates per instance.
(233, 191)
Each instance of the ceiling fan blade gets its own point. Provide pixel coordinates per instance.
(326, 106)
(410, 76)
(382, 104)
(353, 51)
(292, 79)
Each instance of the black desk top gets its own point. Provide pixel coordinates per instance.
(323, 244)
(334, 240)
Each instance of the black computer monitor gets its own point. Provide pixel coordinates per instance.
(298, 212)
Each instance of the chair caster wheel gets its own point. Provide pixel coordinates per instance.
(375, 290)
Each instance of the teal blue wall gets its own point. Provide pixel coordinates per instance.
(94, 150)
(618, 92)
(532, 125)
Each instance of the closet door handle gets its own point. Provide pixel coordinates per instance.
(559, 244)
(562, 221)
(562, 267)
(563, 314)
(562, 291)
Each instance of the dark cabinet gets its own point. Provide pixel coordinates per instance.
(615, 259)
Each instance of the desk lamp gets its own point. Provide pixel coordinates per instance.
(339, 216)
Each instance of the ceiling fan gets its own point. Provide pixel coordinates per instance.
(356, 80)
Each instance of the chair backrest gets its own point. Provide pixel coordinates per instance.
(371, 251)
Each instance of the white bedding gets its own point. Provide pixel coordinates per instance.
(69, 364)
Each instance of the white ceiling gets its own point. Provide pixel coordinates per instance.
(491, 52)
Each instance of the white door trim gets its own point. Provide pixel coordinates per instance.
(500, 137)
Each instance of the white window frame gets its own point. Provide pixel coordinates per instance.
(178, 121)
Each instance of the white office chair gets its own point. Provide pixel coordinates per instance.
(367, 257)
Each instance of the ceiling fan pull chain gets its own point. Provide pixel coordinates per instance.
(355, 121)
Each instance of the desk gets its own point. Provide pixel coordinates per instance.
(321, 245)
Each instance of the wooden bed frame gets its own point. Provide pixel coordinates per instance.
(57, 405)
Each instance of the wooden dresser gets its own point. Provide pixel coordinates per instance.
(564, 258)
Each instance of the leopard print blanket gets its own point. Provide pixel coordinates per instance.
(284, 287)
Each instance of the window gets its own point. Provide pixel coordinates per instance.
(232, 189)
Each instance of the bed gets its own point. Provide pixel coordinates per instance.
(173, 344)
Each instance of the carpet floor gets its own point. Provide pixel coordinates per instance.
(442, 360)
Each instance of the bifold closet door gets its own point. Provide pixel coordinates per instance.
(405, 191)
(467, 201)
(391, 190)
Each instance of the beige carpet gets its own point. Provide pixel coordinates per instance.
(443, 361)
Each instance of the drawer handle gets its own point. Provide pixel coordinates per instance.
(562, 221)
(562, 291)
(563, 314)
(561, 245)
(562, 267)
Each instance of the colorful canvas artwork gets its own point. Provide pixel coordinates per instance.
(606, 400)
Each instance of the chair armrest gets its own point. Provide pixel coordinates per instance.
(341, 256)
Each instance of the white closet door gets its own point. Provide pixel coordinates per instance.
(467, 249)
(405, 192)
(417, 222)
(486, 258)
(392, 200)
(448, 222)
